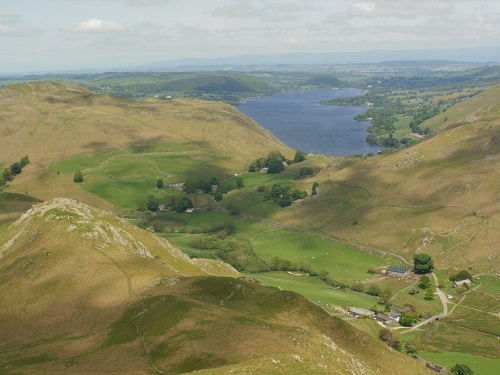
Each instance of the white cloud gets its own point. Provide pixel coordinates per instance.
(401, 8)
(11, 25)
(364, 8)
(95, 25)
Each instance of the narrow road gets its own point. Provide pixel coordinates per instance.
(444, 301)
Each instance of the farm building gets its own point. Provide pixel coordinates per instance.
(396, 316)
(386, 320)
(397, 270)
(358, 312)
(462, 282)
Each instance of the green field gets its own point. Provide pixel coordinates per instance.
(131, 193)
(343, 263)
(490, 284)
(426, 307)
(480, 365)
(316, 290)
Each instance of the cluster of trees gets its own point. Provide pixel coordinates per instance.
(176, 204)
(283, 195)
(383, 117)
(211, 186)
(275, 162)
(425, 283)
(14, 169)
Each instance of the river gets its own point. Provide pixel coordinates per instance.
(298, 120)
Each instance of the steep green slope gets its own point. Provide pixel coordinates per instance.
(85, 291)
(439, 197)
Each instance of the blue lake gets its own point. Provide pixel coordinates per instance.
(298, 120)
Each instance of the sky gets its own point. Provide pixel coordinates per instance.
(37, 35)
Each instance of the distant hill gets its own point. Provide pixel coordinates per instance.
(479, 54)
(325, 81)
(83, 291)
(220, 84)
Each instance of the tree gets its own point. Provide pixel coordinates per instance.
(159, 183)
(239, 183)
(423, 263)
(429, 294)
(78, 176)
(152, 204)
(285, 200)
(304, 172)
(183, 204)
(15, 168)
(374, 290)
(389, 338)
(217, 195)
(275, 165)
(24, 161)
(411, 350)
(385, 295)
(462, 275)
(407, 320)
(461, 369)
(424, 283)
(299, 156)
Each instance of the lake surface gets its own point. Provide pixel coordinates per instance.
(298, 120)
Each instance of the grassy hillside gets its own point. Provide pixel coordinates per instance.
(83, 291)
(50, 121)
(439, 197)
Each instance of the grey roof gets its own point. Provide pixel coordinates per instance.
(461, 282)
(360, 311)
(394, 315)
(397, 269)
(382, 317)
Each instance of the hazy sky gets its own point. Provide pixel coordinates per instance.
(50, 34)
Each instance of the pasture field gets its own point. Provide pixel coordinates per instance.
(250, 228)
(125, 179)
(342, 262)
(183, 243)
(490, 284)
(428, 308)
(395, 284)
(232, 250)
(480, 365)
(475, 319)
(315, 290)
(131, 193)
(194, 222)
(488, 302)
(83, 161)
(444, 337)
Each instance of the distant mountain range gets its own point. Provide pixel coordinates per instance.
(479, 55)
(482, 55)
